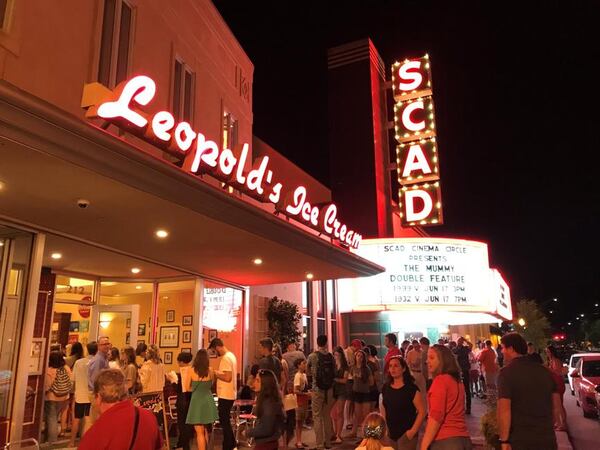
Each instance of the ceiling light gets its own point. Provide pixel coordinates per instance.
(136, 270)
(56, 255)
(2, 185)
(161, 234)
(257, 261)
(309, 276)
(138, 287)
(2, 245)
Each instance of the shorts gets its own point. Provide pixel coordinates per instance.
(349, 391)
(82, 410)
(361, 397)
(301, 413)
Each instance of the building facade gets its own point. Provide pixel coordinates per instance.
(104, 229)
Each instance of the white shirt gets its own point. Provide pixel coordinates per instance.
(152, 376)
(80, 377)
(228, 390)
(300, 380)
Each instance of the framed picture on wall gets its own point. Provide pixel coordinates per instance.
(187, 320)
(127, 338)
(186, 336)
(36, 356)
(73, 338)
(84, 326)
(74, 326)
(211, 335)
(171, 315)
(141, 329)
(186, 350)
(168, 358)
(128, 323)
(169, 337)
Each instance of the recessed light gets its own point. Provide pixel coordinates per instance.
(161, 234)
(56, 255)
(138, 287)
(2, 185)
(257, 261)
(309, 276)
(1, 243)
(136, 270)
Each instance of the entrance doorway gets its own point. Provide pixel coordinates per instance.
(118, 322)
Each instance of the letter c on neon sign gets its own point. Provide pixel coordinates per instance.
(407, 121)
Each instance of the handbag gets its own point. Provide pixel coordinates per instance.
(290, 401)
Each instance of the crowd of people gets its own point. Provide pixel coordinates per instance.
(418, 389)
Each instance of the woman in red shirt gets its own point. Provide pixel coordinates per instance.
(446, 428)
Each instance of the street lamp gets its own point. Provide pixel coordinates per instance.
(522, 322)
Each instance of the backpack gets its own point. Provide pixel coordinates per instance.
(325, 371)
(62, 385)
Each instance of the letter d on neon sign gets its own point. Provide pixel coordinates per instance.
(410, 198)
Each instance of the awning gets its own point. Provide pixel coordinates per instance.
(50, 159)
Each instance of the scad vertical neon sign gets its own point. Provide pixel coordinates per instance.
(416, 152)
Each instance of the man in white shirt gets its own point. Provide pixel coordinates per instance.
(82, 398)
(226, 390)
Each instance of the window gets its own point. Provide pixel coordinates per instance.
(307, 296)
(321, 310)
(3, 11)
(115, 42)
(332, 304)
(230, 130)
(183, 92)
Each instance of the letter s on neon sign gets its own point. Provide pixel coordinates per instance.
(410, 71)
(141, 89)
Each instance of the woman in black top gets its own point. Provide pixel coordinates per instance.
(339, 394)
(403, 405)
(270, 418)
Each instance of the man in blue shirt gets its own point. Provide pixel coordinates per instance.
(98, 362)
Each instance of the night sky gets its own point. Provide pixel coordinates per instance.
(516, 98)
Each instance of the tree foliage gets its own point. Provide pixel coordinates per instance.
(284, 319)
(537, 326)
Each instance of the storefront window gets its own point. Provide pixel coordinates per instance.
(124, 313)
(321, 309)
(73, 302)
(307, 310)
(175, 320)
(223, 318)
(332, 304)
(15, 254)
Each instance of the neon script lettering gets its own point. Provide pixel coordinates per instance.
(202, 155)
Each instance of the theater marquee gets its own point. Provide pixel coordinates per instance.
(416, 152)
(427, 273)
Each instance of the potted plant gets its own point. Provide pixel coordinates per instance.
(284, 320)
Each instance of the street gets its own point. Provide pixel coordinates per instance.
(584, 433)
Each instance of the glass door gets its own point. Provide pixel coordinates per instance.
(116, 322)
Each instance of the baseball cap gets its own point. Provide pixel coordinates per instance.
(216, 342)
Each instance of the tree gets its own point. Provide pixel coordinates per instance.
(284, 318)
(536, 327)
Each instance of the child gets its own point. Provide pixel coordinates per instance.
(302, 396)
(374, 432)
(186, 432)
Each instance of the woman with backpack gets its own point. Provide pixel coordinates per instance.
(270, 417)
(58, 385)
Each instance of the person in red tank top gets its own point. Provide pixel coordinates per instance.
(446, 427)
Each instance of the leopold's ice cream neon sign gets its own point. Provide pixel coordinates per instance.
(201, 155)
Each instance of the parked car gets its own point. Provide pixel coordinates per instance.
(586, 378)
(573, 360)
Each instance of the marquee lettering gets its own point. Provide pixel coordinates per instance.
(202, 155)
